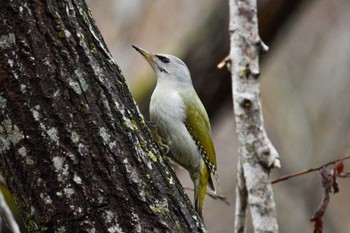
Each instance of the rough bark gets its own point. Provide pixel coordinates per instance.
(257, 154)
(74, 149)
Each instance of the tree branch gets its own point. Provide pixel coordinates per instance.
(257, 154)
(286, 177)
(214, 196)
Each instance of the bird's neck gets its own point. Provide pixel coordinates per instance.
(174, 83)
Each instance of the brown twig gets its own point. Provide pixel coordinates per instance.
(213, 196)
(319, 212)
(329, 183)
(286, 177)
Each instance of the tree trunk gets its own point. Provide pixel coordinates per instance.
(74, 149)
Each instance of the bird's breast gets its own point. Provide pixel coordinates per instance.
(167, 105)
(167, 112)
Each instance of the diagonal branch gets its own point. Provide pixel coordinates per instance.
(286, 177)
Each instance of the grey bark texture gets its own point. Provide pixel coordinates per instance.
(74, 149)
(257, 154)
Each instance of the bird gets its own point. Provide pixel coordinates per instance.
(182, 122)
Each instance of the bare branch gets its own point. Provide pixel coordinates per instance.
(328, 180)
(329, 183)
(286, 177)
(214, 196)
(257, 154)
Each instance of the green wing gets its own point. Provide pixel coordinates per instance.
(199, 127)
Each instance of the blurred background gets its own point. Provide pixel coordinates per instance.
(305, 90)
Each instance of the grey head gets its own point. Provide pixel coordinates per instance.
(168, 68)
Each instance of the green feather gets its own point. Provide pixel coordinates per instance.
(197, 123)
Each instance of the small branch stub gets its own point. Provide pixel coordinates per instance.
(246, 101)
(268, 155)
(262, 46)
(225, 62)
(246, 104)
(255, 73)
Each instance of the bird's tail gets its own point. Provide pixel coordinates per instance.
(200, 188)
(211, 184)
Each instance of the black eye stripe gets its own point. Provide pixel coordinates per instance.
(163, 59)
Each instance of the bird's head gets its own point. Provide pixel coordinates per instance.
(167, 67)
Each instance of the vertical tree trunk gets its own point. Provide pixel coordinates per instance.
(257, 154)
(74, 149)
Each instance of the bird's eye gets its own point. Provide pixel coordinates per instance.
(163, 59)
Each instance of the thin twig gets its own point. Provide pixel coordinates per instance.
(286, 177)
(328, 179)
(214, 196)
